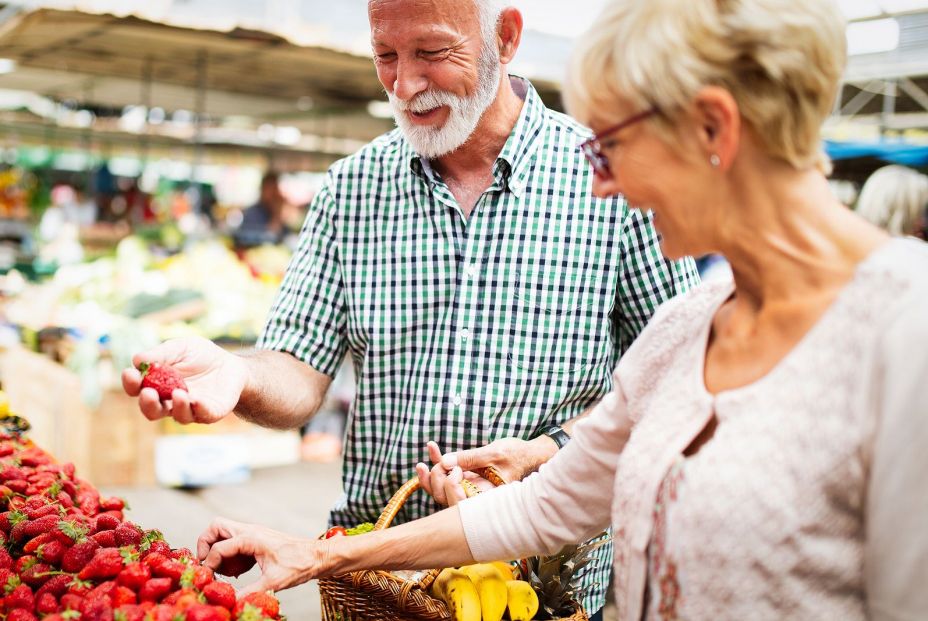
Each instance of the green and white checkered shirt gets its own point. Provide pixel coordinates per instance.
(467, 330)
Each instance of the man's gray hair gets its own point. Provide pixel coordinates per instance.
(489, 17)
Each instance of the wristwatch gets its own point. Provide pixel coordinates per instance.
(557, 434)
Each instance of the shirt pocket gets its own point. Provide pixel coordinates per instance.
(559, 320)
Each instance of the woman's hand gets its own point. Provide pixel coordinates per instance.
(229, 548)
(513, 458)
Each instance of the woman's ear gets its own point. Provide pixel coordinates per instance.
(509, 34)
(718, 122)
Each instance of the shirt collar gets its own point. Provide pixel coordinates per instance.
(515, 159)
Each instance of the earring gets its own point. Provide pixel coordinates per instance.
(715, 160)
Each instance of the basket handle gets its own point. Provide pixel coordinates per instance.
(393, 507)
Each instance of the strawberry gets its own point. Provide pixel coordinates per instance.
(220, 594)
(104, 590)
(6, 561)
(44, 510)
(21, 614)
(163, 612)
(128, 534)
(155, 589)
(71, 601)
(134, 575)
(96, 610)
(46, 604)
(12, 473)
(106, 538)
(266, 603)
(112, 504)
(122, 596)
(165, 380)
(20, 597)
(37, 574)
(25, 562)
(158, 547)
(129, 612)
(79, 555)
(197, 577)
(202, 612)
(163, 566)
(18, 486)
(51, 552)
(236, 565)
(42, 525)
(56, 585)
(180, 554)
(70, 531)
(79, 587)
(106, 563)
(36, 542)
(104, 521)
(183, 599)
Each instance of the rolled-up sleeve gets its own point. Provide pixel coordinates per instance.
(308, 318)
(567, 501)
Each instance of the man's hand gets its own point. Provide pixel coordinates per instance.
(285, 560)
(215, 380)
(513, 458)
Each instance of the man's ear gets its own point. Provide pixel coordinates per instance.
(718, 125)
(509, 34)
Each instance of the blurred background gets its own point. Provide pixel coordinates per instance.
(136, 205)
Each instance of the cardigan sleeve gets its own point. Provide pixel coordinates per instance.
(568, 500)
(896, 552)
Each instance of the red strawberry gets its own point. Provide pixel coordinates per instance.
(11, 473)
(51, 552)
(202, 612)
(6, 561)
(21, 614)
(134, 575)
(96, 610)
(265, 602)
(42, 525)
(158, 547)
(236, 565)
(106, 538)
(163, 612)
(104, 521)
(128, 534)
(105, 590)
(181, 553)
(197, 577)
(70, 531)
(25, 562)
(79, 555)
(20, 597)
(183, 599)
(37, 575)
(56, 585)
(33, 544)
(71, 601)
(106, 563)
(220, 594)
(46, 604)
(18, 486)
(122, 596)
(163, 566)
(130, 612)
(155, 589)
(163, 379)
(44, 510)
(112, 504)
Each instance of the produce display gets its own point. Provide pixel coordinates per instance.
(68, 553)
(485, 591)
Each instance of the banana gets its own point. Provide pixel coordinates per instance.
(454, 588)
(522, 602)
(508, 571)
(491, 587)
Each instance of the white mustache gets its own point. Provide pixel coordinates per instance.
(425, 101)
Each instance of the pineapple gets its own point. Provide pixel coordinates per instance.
(556, 578)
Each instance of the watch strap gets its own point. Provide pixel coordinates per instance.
(557, 434)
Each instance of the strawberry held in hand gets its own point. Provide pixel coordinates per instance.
(165, 380)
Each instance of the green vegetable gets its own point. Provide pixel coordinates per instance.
(360, 529)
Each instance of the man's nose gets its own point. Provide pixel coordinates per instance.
(409, 81)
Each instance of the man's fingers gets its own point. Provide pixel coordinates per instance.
(227, 548)
(470, 460)
(168, 353)
(180, 407)
(438, 484)
(151, 405)
(218, 530)
(258, 586)
(131, 381)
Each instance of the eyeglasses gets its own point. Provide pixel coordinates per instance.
(593, 148)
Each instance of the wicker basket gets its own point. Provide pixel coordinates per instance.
(375, 595)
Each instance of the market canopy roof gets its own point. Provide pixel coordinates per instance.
(122, 60)
(895, 151)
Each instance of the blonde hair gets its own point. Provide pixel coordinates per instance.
(780, 59)
(894, 198)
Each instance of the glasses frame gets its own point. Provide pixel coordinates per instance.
(593, 148)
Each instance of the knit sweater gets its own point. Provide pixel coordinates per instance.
(808, 501)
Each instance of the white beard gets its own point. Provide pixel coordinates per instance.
(465, 112)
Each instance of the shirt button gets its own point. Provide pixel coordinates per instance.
(457, 401)
(471, 270)
(464, 333)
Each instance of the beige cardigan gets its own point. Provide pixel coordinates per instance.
(809, 502)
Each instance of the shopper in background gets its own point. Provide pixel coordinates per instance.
(483, 292)
(763, 452)
(263, 222)
(895, 198)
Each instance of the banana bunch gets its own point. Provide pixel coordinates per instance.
(485, 591)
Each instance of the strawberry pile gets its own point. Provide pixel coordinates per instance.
(68, 553)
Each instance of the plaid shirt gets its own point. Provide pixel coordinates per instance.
(466, 330)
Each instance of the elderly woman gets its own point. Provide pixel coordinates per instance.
(762, 454)
(895, 198)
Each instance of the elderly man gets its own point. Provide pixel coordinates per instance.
(463, 263)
